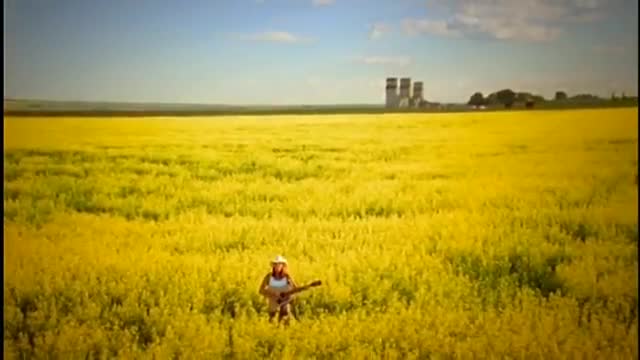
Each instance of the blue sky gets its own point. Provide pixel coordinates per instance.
(315, 51)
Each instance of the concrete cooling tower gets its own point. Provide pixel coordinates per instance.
(417, 94)
(392, 93)
(405, 88)
(404, 98)
(405, 92)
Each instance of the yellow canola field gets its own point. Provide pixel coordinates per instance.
(486, 235)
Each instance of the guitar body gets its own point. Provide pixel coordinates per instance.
(285, 297)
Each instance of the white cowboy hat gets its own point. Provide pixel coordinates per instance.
(279, 260)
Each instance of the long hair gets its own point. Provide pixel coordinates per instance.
(284, 272)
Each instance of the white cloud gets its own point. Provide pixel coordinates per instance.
(433, 27)
(378, 30)
(385, 60)
(523, 20)
(322, 2)
(276, 36)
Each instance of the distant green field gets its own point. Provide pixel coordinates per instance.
(494, 235)
(91, 109)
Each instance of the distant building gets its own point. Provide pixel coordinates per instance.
(417, 97)
(404, 98)
(405, 92)
(391, 93)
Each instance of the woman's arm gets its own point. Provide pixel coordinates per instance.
(264, 290)
(292, 282)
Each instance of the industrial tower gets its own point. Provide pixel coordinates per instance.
(404, 99)
(405, 92)
(392, 93)
(417, 97)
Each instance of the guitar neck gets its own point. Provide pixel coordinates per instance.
(298, 289)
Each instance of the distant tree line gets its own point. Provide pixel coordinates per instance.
(506, 98)
(509, 98)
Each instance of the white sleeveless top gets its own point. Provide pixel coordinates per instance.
(278, 283)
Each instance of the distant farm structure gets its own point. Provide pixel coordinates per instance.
(404, 98)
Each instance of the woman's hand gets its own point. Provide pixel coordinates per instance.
(268, 293)
(275, 295)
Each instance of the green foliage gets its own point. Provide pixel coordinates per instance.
(560, 96)
(477, 99)
(506, 97)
